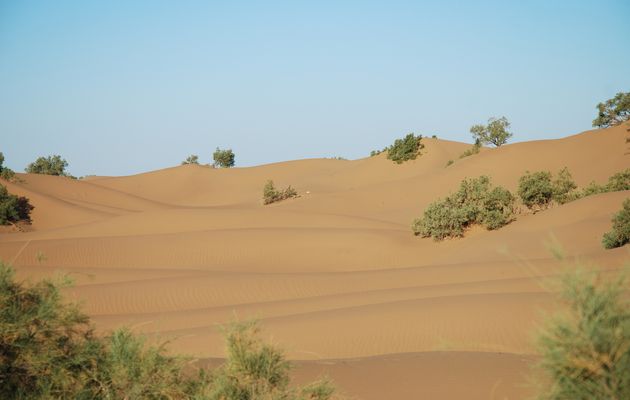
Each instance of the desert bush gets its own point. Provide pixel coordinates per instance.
(495, 132)
(473, 150)
(255, 370)
(13, 208)
(191, 159)
(224, 158)
(449, 162)
(620, 232)
(405, 149)
(536, 189)
(619, 181)
(272, 195)
(476, 202)
(5, 172)
(51, 165)
(586, 350)
(48, 350)
(613, 111)
(563, 187)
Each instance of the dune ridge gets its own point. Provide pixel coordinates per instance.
(334, 275)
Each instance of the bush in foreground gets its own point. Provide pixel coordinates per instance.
(620, 232)
(586, 351)
(476, 202)
(224, 158)
(13, 208)
(272, 195)
(48, 350)
(51, 165)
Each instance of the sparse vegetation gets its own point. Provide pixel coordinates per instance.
(563, 187)
(224, 158)
(449, 162)
(191, 159)
(272, 195)
(613, 111)
(473, 150)
(48, 350)
(619, 181)
(405, 149)
(619, 235)
(495, 132)
(586, 350)
(51, 165)
(476, 202)
(13, 208)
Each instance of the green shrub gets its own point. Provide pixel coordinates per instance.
(620, 233)
(586, 350)
(495, 132)
(614, 111)
(5, 172)
(272, 195)
(536, 189)
(563, 187)
(13, 208)
(473, 150)
(255, 370)
(476, 202)
(405, 149)
(48, 350)
(191, 159)
(619, 181)
(51, 165)
(224, 158)
(449, 162)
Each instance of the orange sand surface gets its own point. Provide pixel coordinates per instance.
(335, 276)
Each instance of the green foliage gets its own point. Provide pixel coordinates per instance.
(563, 187)
(476, 202)
(191, 159)
(613, 111)
(496, 132)
(536, 189)
(620, 233)
(375, 152)
(619, 181)
(224, 158)
(272, 195)
(5, 172)
(51, 165)
(586, 350)
(48, 350)
(473, 150)
(13, 208)
(255, 370)
(405, 149)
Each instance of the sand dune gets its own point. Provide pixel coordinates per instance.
(335, 276)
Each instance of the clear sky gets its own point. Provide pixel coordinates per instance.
(121, 87)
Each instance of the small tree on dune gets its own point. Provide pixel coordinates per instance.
(619, 235)
(224, 158)
(495, 132)
(613, 111)
(13, 208)
(5, 173)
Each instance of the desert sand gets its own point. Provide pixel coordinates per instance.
(335, 276)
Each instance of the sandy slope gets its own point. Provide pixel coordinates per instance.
(336, 276)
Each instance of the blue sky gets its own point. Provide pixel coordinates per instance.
(122, 87)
